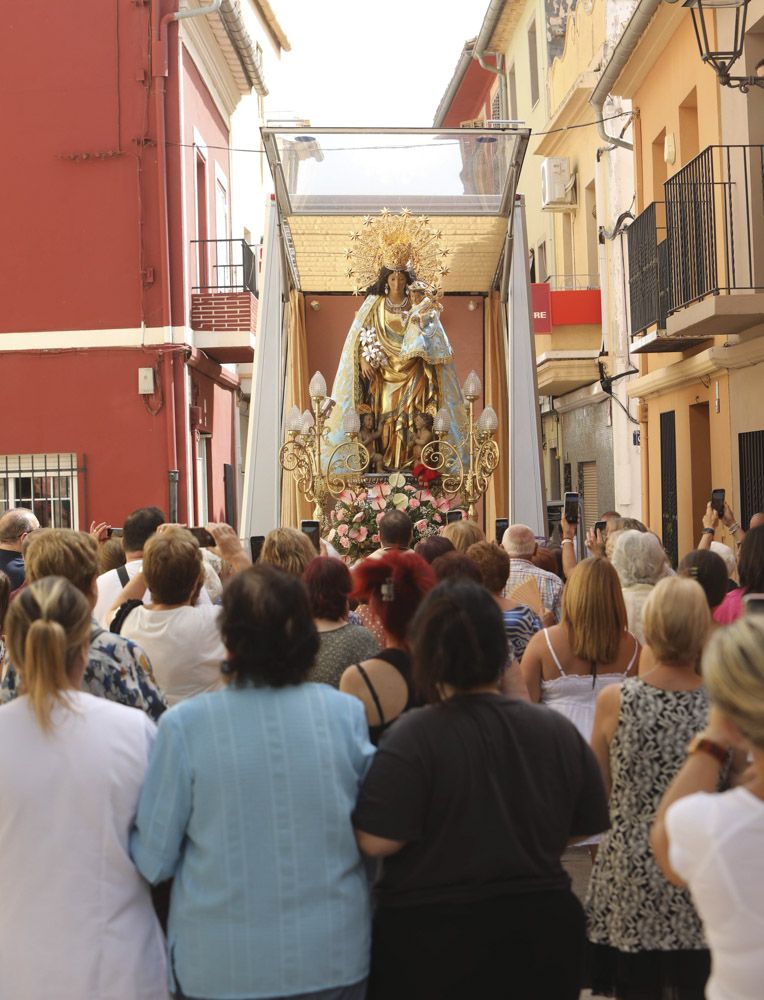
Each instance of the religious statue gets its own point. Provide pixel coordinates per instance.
(369, 437)
(397, 361)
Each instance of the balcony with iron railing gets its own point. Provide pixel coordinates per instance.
(696, 260)
(224, 302)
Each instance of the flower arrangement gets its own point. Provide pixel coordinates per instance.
(354, 520)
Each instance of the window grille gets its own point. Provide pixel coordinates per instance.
(668, 486)
(751, 457)
(45, 484)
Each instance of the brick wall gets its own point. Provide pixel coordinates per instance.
(218, 311)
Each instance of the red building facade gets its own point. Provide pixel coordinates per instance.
(124, 295)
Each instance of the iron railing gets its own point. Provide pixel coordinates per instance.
(572, 282)
(226, 266)
(648, 272)
(715, 224)
(712, 219)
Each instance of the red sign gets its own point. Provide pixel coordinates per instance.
(541, 304)
(577, 308)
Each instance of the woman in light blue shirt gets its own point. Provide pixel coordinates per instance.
(247, 806)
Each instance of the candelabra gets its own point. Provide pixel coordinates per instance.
(303, 451)
(482, 452)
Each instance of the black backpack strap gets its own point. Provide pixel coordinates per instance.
(124, 576)
(121, 614)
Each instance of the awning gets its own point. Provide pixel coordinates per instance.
(327, 180)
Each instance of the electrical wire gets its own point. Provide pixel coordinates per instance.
(356, 149)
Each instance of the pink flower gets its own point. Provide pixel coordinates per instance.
(420, 525)
(386, 489)
(423, 496)
(347, 496)
(409, 488)
(374, 493)
(359, 517)
(345, 543)
(363, 533)
(438, 518)
(375, 539)
(378, 504)
(342, 515)
(413, 503)
(380, 516)
(342, 530)
(442, 504)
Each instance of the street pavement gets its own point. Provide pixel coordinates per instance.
(577, 862)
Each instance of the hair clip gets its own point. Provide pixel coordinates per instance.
(387, 590)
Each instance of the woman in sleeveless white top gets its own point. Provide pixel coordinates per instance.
(597, 650)
(575, 695)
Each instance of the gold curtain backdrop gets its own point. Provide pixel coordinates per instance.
(496, 394)
(294, 506)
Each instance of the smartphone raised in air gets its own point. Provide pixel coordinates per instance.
(454, 515)
(717, 501)
(502, 523)
(570, 503)
(753, 604)
(203, 537)
(599, 528)
(313, 530)
(255, 546)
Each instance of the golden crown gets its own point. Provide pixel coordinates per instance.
(396, 242)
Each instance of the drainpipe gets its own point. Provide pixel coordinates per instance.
(482, 41)
(620, 56)
(159, 72)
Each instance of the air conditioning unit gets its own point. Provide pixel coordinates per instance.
(557, 185)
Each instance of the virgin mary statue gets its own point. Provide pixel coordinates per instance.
(397, 363)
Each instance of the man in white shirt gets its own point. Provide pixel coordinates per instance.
(521, 544)
(138, 528)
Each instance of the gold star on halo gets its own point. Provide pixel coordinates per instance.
(406, 213)
(367, 220)
(385, 211)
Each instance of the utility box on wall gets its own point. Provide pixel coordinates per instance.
(557, 184)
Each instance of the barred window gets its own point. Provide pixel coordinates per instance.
(45, 484)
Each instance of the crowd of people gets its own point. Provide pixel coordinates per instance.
(299, 779)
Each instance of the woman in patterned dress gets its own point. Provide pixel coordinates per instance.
(647, 940)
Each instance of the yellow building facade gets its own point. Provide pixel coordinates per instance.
(696, 281)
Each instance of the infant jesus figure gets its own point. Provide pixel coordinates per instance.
(369, 437)
(422, 434)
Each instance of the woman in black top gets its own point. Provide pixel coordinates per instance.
(394, 587)
(471, 802)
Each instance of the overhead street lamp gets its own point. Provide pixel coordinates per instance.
(722, 59)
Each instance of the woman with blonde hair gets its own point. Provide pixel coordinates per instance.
(713, 842)
(647, 939)
(567, 665)
(462, 534)
(287, 549)
(65, 818)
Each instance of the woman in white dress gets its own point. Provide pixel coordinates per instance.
(567, 665)
(714, 842)
(76, 920)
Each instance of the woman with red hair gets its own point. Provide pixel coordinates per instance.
(394, 587)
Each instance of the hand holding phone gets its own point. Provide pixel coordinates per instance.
(502, 523)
